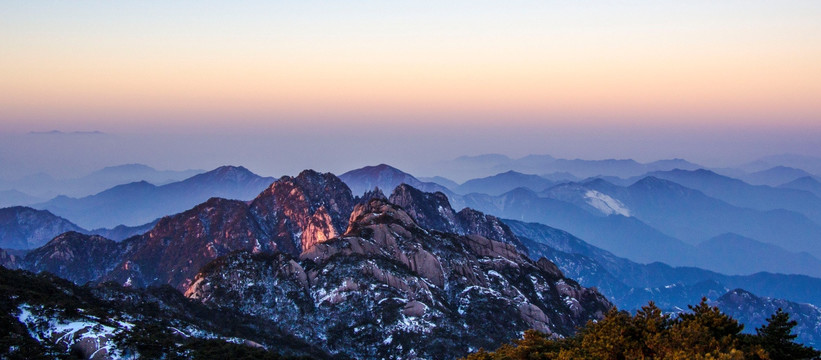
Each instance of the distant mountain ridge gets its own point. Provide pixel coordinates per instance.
(807, 183)
(630, 285)
(741, 194)
(775, 176)
(138, 203)
(503, 182)
(690, 215)
(647, 220)
(467, 167)
(9, 198)
(810, 164)
(44, 186)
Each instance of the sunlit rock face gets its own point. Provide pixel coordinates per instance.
(301, 211)
(390, 288)
(180, 245)
(292, 214)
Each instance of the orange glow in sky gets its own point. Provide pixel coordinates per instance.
(102, 65)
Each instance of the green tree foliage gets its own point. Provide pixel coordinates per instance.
(776, 338)
(702, 333)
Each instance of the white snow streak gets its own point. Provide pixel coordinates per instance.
(605, 203)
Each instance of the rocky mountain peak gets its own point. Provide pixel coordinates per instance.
(378, 211)
(79, 257)
(179, 245)
(229, 173)
(430, 210)
(26, 228)
(390, 288)
(306, 209)
(376, 193)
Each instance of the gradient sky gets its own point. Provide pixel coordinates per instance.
(350, 83)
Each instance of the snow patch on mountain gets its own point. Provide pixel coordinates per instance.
(606, 204)
(87, 332)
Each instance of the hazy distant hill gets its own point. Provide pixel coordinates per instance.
(501, 183)
(46, 186)
(623, 235)
(810, 164)
(775, 176)
(807, 183)
(690, 215)
(630, 284)
(735, 254)
(448, 183)
(141, 202)
(386, 178)
(742, 194)
(17, 198)
(469, 167)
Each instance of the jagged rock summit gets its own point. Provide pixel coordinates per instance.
(388, 288)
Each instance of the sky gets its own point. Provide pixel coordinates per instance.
(280, 86)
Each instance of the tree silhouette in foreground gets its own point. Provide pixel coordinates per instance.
(776, 338)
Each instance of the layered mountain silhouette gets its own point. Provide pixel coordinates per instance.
(690, 215)
(46, 186)
(739, 193)
(489, 164)
(653, 219)
(364, 276)
(501, 183)
(623, 235)
(141, 202)
(775, 176)
(631, 285)
(807, 183)
(9, 198)
(807, 163)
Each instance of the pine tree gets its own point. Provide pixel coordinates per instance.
(777, 339)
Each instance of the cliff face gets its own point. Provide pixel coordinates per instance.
(299, 212)
(390, 288)
(433, 211)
